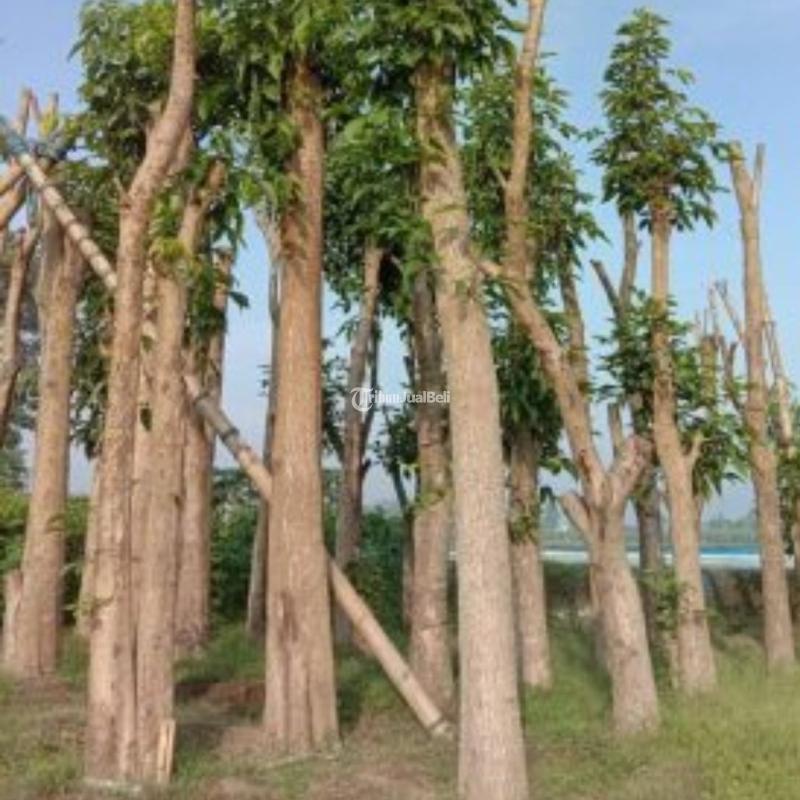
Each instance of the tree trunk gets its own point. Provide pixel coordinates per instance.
(533, 645)
(624, 632)
(300, 713)
(86, 595)
(647, 505)
(257, 589)
(697, 671)
(40, 610)
(12, 315)
(194, 573)
(778, 637)
(348, 522)
(156, 626)
(111, 748)
(429, 653)
(491, 751)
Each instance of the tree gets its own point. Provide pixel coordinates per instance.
(778, 638)
(38, 620)
(111, 752)
(655, 157)
(440, 41)
(598, 512)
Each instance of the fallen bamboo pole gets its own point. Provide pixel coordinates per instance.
(359, 613)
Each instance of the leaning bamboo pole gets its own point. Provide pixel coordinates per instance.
(362, 618)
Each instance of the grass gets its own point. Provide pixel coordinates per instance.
(739, 743)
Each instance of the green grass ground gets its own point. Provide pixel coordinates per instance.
(741, 743)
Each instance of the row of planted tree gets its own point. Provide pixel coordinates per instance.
(425, 161)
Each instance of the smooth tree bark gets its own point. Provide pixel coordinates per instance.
(778, 635)
(696, 667)
(192, 615)
(18, 270)
(300, 712)
(349, 507)
(491, 759)
(430, 651)
(257, 586)
(39, 615)
(111, 748)
(156, 628)
(533, 643)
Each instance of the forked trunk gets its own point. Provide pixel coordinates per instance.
(491, 751)
(300, 713)
(38, 620)
(696, 668)
(429, 653)
(533, 644)
(778, 636)
(111, 748)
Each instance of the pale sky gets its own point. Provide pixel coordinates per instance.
(745, 56)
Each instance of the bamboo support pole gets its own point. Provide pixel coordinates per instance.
(351, 603)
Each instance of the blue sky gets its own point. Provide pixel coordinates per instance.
(745, 56)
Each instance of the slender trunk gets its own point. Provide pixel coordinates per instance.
(257, 589)
(143, 436)
(647, 505)
(429, 653)
(111, 748)
(300, 713)
(194, 576)
(86, 595)
(12, 316)
(38, 623)
(348, 522)
(533, 645)
(491, 751)
(778, 637)
(697, 671)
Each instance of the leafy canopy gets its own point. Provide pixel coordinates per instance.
(658, 149)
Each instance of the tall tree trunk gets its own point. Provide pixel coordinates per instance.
(533, 645)
(111, 748)
(491, 752)
(38, 622)
(697, 671)
(257, 589)
(300, 713)
(143, 436)
(194, 572)
(429, 653)
(156, 626)
(647, 505)
(778, 637)
(12, 317)
(349, 511)
(86, 594)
